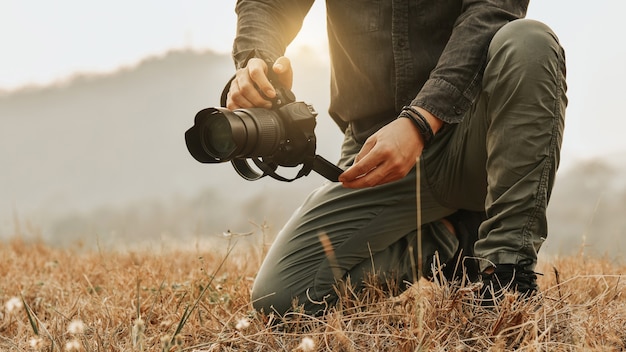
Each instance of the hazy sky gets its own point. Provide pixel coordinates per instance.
(47, 40)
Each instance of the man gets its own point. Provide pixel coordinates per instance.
(468, 88)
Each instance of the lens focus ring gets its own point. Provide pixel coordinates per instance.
(270, 133)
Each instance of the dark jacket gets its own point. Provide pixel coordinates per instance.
(387, 53)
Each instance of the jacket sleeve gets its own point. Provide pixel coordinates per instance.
(266, 27)
(455, 83)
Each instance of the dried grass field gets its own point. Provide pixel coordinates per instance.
(73, 299)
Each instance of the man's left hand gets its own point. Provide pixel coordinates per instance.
(387, 155)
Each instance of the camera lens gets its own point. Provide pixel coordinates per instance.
(222, 135)
(218, 137)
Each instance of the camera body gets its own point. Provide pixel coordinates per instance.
(281, 136)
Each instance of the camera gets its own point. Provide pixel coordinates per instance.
(281, 136)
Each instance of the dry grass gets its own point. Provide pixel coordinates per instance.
(196, 300)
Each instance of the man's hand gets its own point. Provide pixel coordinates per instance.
(251, 87)
(389, 154)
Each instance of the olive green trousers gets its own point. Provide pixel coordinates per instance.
(501, 159)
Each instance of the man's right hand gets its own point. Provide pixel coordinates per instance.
(250, 81)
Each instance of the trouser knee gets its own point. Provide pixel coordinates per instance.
(267, 300)
(525, 39)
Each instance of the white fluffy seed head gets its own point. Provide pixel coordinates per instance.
(14, 304)
(35, 343)
(242, 324)
(307, 344)
(76, 327)
(72, 345)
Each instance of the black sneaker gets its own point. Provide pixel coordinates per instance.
(466, 224)
(511, 278)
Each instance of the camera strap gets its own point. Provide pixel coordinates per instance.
(270, 170)
(244, 169)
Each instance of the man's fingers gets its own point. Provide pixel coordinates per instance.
(381, 174)
(373, 177)
(252, 87)
(282, 68)
(366, 167)
(243, 94)
(362, 164)
(234, 98)
(244, 89)
(257, 70)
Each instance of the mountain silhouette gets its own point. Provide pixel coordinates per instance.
(95, 153)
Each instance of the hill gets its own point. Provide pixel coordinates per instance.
(105, 154)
